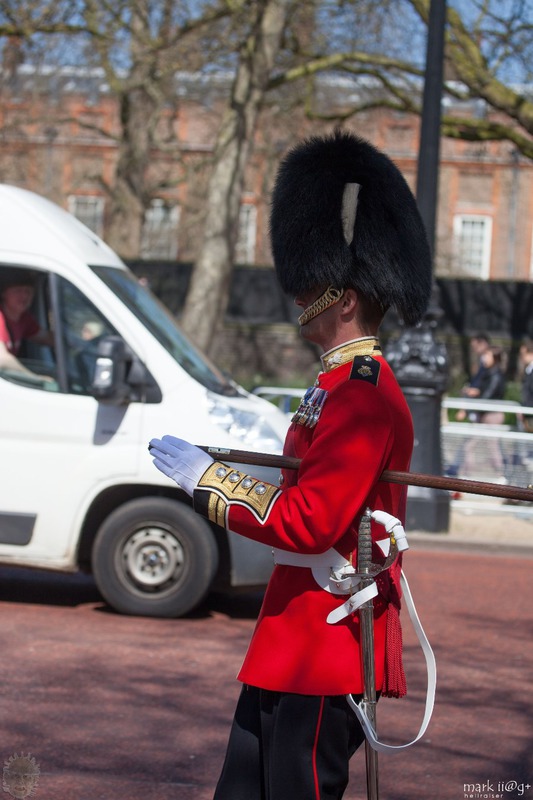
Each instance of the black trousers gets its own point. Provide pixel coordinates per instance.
(289, 747)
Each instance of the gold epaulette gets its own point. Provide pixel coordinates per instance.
(221, 486)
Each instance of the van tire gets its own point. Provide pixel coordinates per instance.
(154, 557)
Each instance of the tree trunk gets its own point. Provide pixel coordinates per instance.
(208, 293)
(139, 112)
(141, 100)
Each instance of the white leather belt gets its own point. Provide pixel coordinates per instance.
(330, 559)
(334, 574)
(331, 571)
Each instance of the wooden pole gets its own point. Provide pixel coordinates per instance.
(390, 476)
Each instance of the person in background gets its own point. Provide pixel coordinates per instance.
(492, 383)
(17, 323)
(348, 243)
(479, 344)
(491, 387)
(526, 357)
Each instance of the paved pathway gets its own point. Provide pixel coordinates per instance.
(119, 707)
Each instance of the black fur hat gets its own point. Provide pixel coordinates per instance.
(384, 254)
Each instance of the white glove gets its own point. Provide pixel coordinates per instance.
(183, 462)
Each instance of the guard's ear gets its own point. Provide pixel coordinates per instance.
(349, 301)
(351, 294)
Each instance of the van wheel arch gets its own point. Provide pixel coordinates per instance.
(154, 557)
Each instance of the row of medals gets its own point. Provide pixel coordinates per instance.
(310, 408)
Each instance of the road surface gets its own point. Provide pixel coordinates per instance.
(133, 708)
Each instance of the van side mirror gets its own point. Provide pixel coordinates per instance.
(109, 381)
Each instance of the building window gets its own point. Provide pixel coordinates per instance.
(159, 238)
(472, 235)
(245, 247)
(89, 210)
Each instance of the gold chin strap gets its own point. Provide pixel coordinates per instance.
(326, 299)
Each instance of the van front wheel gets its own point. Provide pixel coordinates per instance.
(154, 557)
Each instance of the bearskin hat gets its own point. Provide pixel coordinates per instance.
(373, 241)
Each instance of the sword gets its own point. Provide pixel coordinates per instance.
(366, 622)
(388, 475)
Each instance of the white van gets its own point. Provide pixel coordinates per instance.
(78, 489)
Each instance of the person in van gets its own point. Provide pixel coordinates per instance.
(17, 323)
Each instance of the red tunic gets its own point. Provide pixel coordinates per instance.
(364, 427)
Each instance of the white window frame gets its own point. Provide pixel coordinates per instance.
(78, 205)
(478, 264)
(159, 236)
(247, 234)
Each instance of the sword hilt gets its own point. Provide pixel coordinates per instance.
(365, 565)
(364, 544)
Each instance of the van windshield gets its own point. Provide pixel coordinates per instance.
(159, 321)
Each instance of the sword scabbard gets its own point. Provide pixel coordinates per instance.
(366, 622)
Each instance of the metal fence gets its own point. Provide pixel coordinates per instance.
(473, 449)
(486, 451)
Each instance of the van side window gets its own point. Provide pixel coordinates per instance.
(81, 327)
(49, 332)
(26, 328)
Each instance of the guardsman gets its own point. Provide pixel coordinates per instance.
(348, 244)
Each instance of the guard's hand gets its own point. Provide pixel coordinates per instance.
(184, 463)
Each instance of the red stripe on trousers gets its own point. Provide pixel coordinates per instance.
(315, 747)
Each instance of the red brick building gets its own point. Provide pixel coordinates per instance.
(57, 139)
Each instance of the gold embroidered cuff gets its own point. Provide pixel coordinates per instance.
(221, 486)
